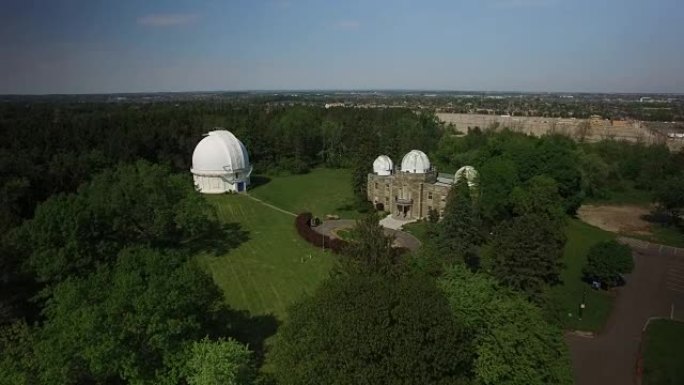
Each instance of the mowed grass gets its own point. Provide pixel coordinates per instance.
(565, 299)
(663, 353)
(271, 270)
(321, 191)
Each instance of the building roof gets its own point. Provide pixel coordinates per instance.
(220, 152)
(415, 162)
(383, 165)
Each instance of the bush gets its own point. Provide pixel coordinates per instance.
(606, 262)
(303, 225)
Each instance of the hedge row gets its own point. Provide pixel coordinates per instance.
(303, 225)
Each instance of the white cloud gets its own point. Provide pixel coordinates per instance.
(347, 25)
(168, 19)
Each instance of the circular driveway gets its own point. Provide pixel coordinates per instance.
(401, 239)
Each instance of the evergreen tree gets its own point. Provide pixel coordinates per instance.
(527, 252)
(370, 251)
(459, 235)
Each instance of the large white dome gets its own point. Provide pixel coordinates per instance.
(220, 152)
(383, 165)
(415, 162)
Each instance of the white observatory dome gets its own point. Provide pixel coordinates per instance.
(220, 163)
(383, 165)
(467, 172)
(415, 162)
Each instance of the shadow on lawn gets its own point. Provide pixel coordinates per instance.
(258, 180)
(247, 329)
(219, 239)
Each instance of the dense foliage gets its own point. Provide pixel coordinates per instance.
(371, 329)
(458, 234)
(607, 261)
(514, 345)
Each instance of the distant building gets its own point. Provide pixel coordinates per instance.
(220, 164)
(411, 191)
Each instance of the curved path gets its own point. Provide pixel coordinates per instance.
(401, 238)
(654, 289)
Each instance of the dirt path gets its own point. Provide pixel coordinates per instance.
(655, 288)
(627, 219)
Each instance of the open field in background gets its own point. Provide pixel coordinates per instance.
(663, 353)
(321, 191)
(565, 299)
(272, 268)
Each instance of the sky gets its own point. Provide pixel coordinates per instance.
(105, 46)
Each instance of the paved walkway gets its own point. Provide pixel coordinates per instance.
(402, 239)
(654, 289)
(391, 223)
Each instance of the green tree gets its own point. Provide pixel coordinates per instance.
(131, 321)
(526, 253)
(370, 250)
(669, 194)
(459, 232)
(514, 345)
(220, 362)
(372, 330)
(539, 195)
(132, 204)
(607, 261)
(498, 177)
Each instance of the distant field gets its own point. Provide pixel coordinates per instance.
(272, 269)
(565, 298)
(663, 353)
(321, 191)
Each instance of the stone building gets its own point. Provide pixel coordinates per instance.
(412, 190)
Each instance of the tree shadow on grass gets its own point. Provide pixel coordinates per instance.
(247, 329)
(219, 239)
(258, 180)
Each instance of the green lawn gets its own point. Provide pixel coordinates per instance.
(272, 269)
(417, 229)
(565, 298)
(663, 352)
(321, 191)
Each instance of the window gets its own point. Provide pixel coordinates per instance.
(387, 186)
(429, 194)
(386, 199)
(376, 185)
(429, 209)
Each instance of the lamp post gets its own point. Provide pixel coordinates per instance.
(582, 305)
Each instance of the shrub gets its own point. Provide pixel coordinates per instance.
(303, 225)
(606, 262)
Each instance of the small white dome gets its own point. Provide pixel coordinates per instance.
(415, 162)
(220, 152)
(383, 165)
(467, 172)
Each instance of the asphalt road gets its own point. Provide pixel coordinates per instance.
(654, 289)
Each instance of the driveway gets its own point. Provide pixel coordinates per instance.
(654, 289)
(402, 239)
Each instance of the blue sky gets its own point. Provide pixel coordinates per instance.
(92, 46)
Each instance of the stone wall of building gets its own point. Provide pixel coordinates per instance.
(407, 195)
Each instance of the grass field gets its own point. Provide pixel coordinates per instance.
(663, 352)
(272, 269)
(565, 298)
(322, 191)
